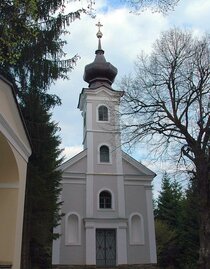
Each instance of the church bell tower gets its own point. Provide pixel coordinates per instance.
(99, 104)
(106, 194)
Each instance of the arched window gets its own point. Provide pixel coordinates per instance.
(105, 199)
(104, 154)
(103, 113)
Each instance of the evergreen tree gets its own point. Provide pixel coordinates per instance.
(32, 56)
(167, 221)
(177, 225)
(189, 228)
(43, 182)
(166, 244)
(169, 202)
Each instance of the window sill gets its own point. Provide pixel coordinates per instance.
(73, 244)
(106, 209)
(104, 163)
(136, 243)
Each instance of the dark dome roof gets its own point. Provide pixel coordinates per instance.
(100, 71)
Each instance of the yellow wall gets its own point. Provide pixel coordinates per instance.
(14, 153)
(22, 168)
(8, 213)
(8, 165)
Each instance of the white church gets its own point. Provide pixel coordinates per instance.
(106, 194)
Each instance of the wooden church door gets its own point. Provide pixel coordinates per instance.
(105, 247)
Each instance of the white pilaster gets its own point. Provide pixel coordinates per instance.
(119, 168)
(89, 135)
(89, 178)
(56, 247)
(121, 244)
(90, 245)
(89, 196)
(121, 196)
(57, 243)
(151, 226)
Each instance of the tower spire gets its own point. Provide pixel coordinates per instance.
(99, 71)
(99, 35)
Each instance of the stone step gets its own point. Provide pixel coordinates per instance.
(5, 265)
(133, 266)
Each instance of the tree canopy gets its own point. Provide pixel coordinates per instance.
(167, 103)
(31, 47)
(163, 6)
(168, 202)
(176, 224)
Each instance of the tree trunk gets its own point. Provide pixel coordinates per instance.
(203, 174)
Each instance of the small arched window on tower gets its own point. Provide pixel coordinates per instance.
(103, 113)
(104, 154)
(105, 200)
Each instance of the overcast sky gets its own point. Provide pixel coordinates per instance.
(125, 35)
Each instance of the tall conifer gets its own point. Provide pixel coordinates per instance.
(168, 218)
(32, 56)
(177, 225)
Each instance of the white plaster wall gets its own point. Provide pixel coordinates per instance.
(109, 183)
(130, 170)
(106, 139)
(135, 200)
(82, 196)
(74, 198)
(78, 167)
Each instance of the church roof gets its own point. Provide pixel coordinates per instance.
(99, 71)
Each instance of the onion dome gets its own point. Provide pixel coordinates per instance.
(100, 71)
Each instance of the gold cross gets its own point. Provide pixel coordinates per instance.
(99, 35)
(99, 26)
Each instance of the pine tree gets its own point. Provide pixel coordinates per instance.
(32, 56)
(177, 225)
(168, 202)
(166, 244)
(189, 228)
(43, 183)
(167, 221)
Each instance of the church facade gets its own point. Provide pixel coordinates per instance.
(106, 194)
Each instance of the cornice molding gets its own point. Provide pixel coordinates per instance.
(13, 139)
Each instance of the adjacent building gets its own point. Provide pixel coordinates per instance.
(14, 153)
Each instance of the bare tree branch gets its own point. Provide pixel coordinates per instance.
(163, 6)
(167, 104)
